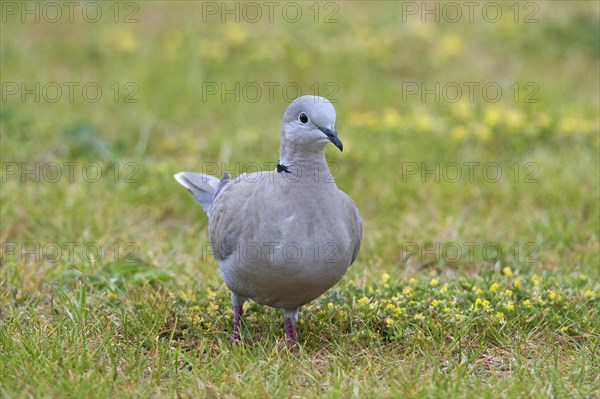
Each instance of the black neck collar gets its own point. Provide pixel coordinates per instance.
(282, 168)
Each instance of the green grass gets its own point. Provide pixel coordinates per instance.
(523, 335)
(412, 318)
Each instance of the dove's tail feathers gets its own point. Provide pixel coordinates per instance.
(204, 188)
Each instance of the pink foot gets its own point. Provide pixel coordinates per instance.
(237, 318)
(290, 332)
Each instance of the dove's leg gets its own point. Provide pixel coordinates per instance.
(238, 303)
(291, 317)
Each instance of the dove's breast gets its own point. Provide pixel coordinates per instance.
(282, 253)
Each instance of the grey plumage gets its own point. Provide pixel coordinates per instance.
(282, 238)
(203, 187)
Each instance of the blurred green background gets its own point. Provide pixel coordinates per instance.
(155, 67)
(119, 96)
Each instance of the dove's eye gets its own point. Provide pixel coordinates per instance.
(303, 118)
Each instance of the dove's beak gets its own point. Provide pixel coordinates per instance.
(333, 137)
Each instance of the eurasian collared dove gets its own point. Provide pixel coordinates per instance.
(283, 237)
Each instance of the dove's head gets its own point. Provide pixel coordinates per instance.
(308, 125)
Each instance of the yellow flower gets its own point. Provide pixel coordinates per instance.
(514, 119)
(527, 303)
(433, 282)
(390, 118)
(212, 308)
(435, 302)
(553, 296)
(121, 39)
(210, 294)
(363, 301)
(494, 288)
(368, 118)
(235, 34)
(385, 277)
(564, 329)
(397, 311)
(517, 283)
(390, 306)
(458, 132)
(483, 302)
(540, 301)
(424, 122)
(499, 315)
(446, 309)
(507, 271)
(408, 291)
(412, 281)
(508, 293)
(583, 277)
(569, 125)
(188, 296)
(536, 279)
(589, 294)
(419, 317)
(389, 321)
(195, 308)
(18, 297)
(461, 108)
(330, 305)
(444, 288)
(510, 306)
(478, 291)
(449, 46)
(492, 115)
